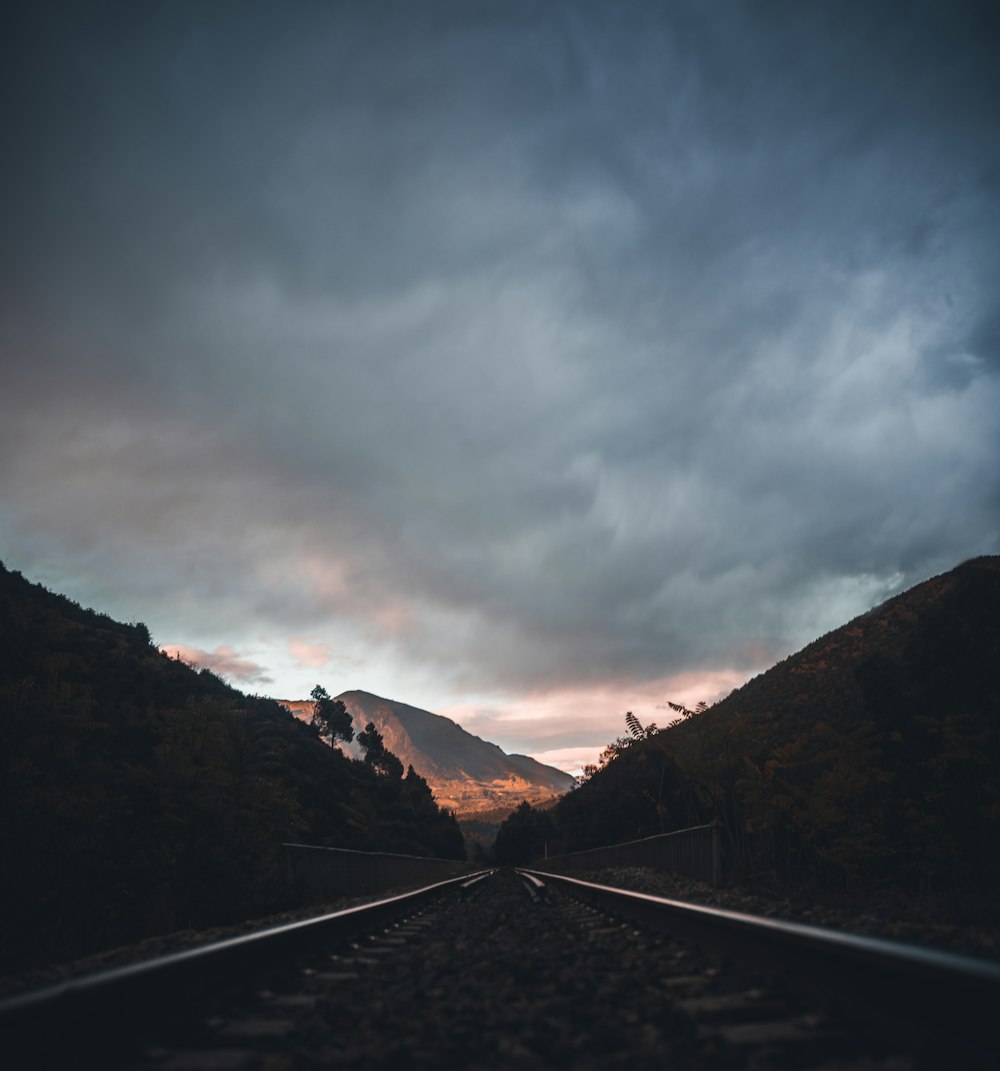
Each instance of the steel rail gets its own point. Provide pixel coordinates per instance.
(109, 1008)
(925, 992)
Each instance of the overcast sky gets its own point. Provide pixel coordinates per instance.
(527, 362)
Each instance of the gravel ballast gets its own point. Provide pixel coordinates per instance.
(495, 979)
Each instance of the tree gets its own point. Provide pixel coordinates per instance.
(330, 716)
(636, 729)
(700, 707)
(377, 755)
(523, 836)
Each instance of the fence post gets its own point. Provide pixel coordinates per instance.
(716, 852)
(292, 886)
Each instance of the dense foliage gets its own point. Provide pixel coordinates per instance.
(139, 796)
(870, 759)
(524, 836)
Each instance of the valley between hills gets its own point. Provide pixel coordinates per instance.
(470, 776)
(141, 796)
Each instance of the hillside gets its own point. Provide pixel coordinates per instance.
(467, 774)
(871, 757)
(139, 796)
(929, 648)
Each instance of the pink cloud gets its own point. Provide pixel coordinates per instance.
(309, 653)
(340, 586)
(392, 618)
(572, 725)
(328, 578)
(223, 660)
(570, 760)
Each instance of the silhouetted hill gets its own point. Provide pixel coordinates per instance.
(467, 774)
(139, 796)
(872, 755)
(930, 648)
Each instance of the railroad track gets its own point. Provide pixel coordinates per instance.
(798, 992)
(100, 1019)
(526, 970)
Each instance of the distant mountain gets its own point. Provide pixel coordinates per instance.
(467, 774)
(870, 756)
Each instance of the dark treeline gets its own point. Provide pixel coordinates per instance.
(868, 762)
(524, 836)
(139, 796)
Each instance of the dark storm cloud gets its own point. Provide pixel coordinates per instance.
(538, 343)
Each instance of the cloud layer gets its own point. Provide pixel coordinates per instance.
(495, 351)
(223, 660)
